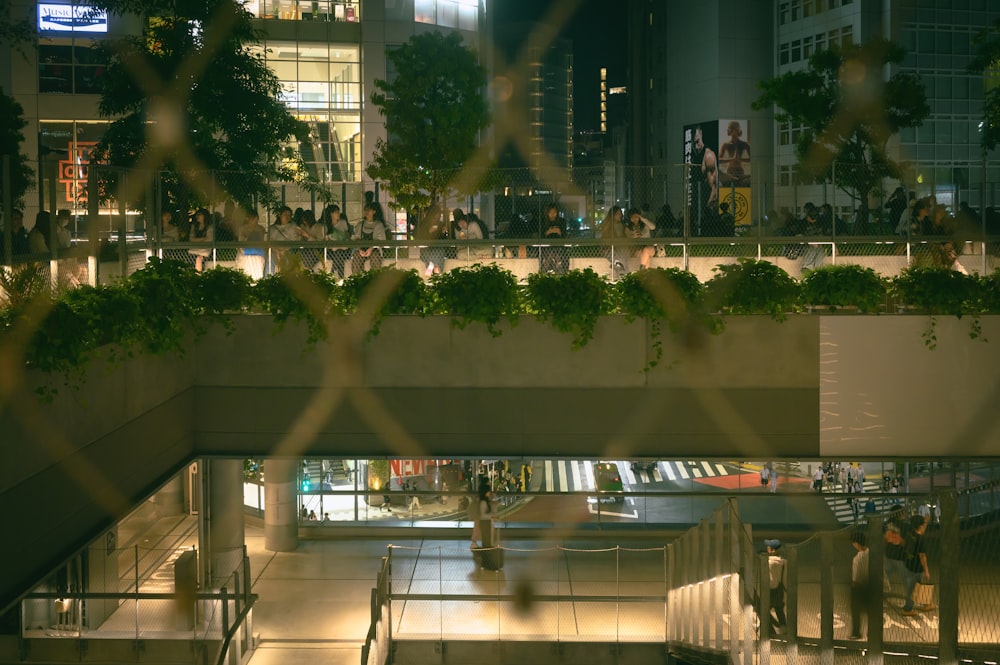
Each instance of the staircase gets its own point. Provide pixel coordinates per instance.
(336, 469)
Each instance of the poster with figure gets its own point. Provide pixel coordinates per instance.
(700, 152)
(734, 168)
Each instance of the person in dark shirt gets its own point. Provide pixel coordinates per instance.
(553, 226)
(19, 237)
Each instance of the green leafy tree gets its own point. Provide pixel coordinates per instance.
(194, 96)
(848, 111)
(434, 109)
(986, 61)
(11, 138)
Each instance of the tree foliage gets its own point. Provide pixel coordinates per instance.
(986, 61)
(12, 123)
(848, 111)
(434, 109)
(194, 96)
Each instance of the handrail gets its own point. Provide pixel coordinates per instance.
(237, 622)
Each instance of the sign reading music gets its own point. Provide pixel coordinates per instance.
(54, 17)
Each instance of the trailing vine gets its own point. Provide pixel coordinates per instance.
(157, 309)
(752, 287)
(483, 293)
(384, 292)
(572, 302)
(658, 295)
(936, 290)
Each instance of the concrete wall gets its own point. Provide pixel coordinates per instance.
(838, 386)
(883, 392)
(77, 465)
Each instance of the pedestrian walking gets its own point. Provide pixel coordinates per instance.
(818, 479)
(859, 582)
(777, 580)
(774, 481)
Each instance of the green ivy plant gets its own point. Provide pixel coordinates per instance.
(938, 290)
(572, 302)
(483, 293)
(300, 295)
(991, 293)
(845, 285)
(398, 291)
(662, 294)
(223, 291)
(752, 287)
(167, 312)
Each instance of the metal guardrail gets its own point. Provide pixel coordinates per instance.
(886, 255)
(715, 594)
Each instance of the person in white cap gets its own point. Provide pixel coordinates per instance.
(777, 579)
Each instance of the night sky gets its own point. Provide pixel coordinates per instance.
(598, 34)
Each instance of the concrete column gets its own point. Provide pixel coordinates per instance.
(281, 520)
(223, 516)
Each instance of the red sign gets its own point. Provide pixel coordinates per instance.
(73, 171)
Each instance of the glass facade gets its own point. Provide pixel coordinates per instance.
(322, 86)
(67, 67)
(65, 148)
(461, 14)
(305, 10)
(648, 492)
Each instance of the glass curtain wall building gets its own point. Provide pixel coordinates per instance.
(327, 54)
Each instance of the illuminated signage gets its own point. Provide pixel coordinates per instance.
(71, 18)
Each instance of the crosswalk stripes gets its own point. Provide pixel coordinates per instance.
(578, 475)
(842, 510)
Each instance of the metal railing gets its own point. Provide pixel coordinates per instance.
(708, 591)
(612, 259)
(208, 623)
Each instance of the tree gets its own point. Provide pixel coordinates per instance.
(986, 61)
(848, 112)
(193, 96)
(434, 110)
(11, 138)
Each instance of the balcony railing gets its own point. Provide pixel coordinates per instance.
(887, 256)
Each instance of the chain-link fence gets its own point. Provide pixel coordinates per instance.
(612, 221)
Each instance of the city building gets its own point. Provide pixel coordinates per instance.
(696, 64)
(327, 54)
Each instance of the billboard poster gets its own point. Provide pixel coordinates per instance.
(700, 152)
(734, 168)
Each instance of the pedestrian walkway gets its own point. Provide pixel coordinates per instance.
(578, 475)
(837, 499)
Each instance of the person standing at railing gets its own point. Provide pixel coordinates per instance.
(202, 232)
(251, 259)
(38, 239)
(613, 228)
(641, 227)
(19, 237)
(283, 230)
(369, 228)
(314, 230)
(339, 230)
(813, 255)
(432, 227)
(553, 226)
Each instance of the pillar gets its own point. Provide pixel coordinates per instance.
(222, 545)
(281, 519)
